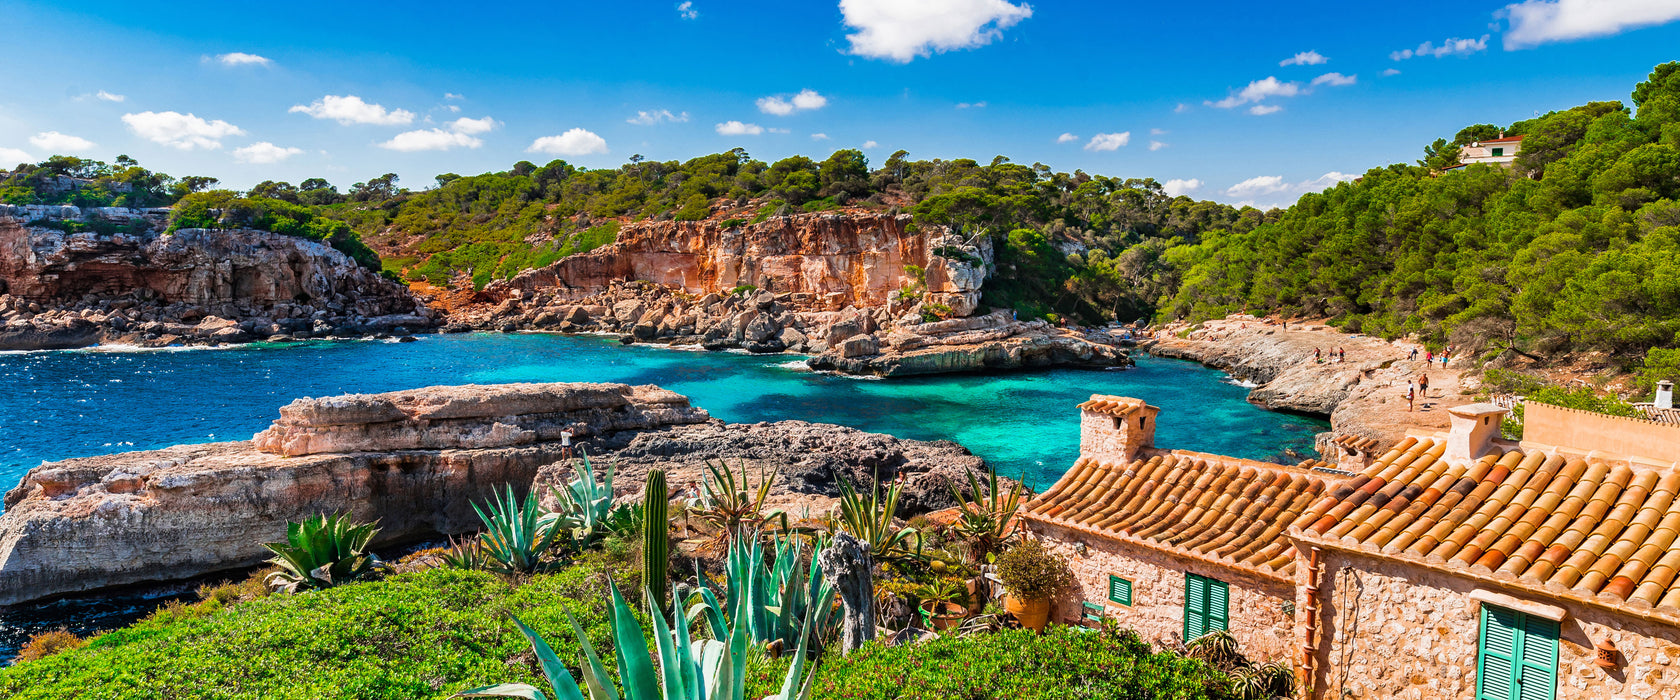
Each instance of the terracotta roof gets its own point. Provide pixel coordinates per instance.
(1233, 514)
(1502, 139)
(1561, 526)
(1355, 441)
(1114, 405)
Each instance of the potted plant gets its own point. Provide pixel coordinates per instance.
(1031, 575)
(942, 602)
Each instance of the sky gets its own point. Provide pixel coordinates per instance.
(1248, 102)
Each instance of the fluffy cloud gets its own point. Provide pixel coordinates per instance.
(460, 132)
(1257, 91)
(350, 109)
(453, 96)
(1263, 110)
(57, 143)
(806, 100)
(109, 96)
(686, 10)
(1261, 185)
(657, 116)
(264, 153)
(1108, 142)
(1535, 22)
(575, 142)
(13, 156)
(1066, 137)
(1174, 188)
(1157, 132)
(735, 128)
(1275, 187)
(971, 105)
(1335, 80)
(1391, 71)
(819, 137)
(472, 126)
(1181, 108)
(870, 144)
(183, 131)
(900, 31)
(1305, 58)
(1157, 145)
(1450, 47)
(242, 59)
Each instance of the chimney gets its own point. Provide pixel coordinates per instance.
(1115, 428)
(1474, 426)
(1665, 394)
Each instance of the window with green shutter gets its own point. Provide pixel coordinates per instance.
(1517, 656)
(1119, 590)
(1206, 606)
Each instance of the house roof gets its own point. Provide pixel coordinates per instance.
(1227, 512)
(1115, 405)
(1502, 139)
(1600, 533)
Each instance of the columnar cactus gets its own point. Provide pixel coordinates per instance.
(656, 536)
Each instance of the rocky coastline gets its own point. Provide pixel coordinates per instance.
(415, 461)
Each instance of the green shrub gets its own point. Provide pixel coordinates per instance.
(1029, 570)
(323, 551)
(695, 209)
(733, 223)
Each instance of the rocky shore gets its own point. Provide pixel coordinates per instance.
(1364, 397)
(415, 461)
(73, 277)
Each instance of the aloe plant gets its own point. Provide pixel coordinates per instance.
(689, 669)
(987, 516)
(778, 602)
(323, 551)
(726, 507)
(870, 519)
(517, 534)
(656, 536)
(586, 507)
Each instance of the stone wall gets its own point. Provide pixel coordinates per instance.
(1258, 619)
(1547, 427)
(1392, 630)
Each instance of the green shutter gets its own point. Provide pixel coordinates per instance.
(1518, 656)
(1218, 606)
(1119, 590)
(1195, 606)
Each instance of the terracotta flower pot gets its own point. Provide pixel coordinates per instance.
(1032, 614)
(948, 615)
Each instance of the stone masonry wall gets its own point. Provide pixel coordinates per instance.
(1393, 630)
(1257, 617)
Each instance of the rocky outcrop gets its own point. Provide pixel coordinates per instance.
(415, 461)
(995, 341)
(71, 277)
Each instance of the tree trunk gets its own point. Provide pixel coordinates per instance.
(846, 565)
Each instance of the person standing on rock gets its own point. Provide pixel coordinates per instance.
(1414, 354)
(1317, 357)
(1411, 396)
(1423, 385)
(566, 443)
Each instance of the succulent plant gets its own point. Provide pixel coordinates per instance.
(323, 551)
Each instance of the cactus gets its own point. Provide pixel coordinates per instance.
(656, 536)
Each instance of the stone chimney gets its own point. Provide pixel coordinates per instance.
(1474, 426)
(1665, 394)
(1115, 428)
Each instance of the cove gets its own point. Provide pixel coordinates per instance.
(80, 403)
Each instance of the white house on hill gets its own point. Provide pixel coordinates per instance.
(1502, 151)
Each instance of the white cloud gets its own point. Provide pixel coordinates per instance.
(575, 142)
(1450, 47)
(1257, 91)
(656, 116)
(1535, 22)
(819, 137)
(807, 99)
(870, 144)
(1305, 58)
(1177, 187)
(430, 140)
(1263, 110)
(350, 109)
(453, 96)
(1263, 184)
(472, 126)
(1181, 108)
(1335, 80)
(1158, 132)
(1157, 145)
(974, 105)
(109, 96)
(1273, 186)
(1108, 142)
(687, 11)
(1391, 71)
(900, 31)
(1066, 137)
(264, 153)
(183, 131)
(57, 143)
(12, 156)
(243, 59)
(735, 128)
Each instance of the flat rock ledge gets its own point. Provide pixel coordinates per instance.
(415, 461)
(994, 341)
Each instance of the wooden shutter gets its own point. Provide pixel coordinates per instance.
(1537, 675)
(1218, 606)
(1518, 656)
(1195, 606)
(1119, 590)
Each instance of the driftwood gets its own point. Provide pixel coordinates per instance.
(847, 566)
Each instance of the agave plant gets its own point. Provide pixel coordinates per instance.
(775, 603)
(726, 508)
(323, 551)
(689, 669)
(468, 554)
(517, 534)
(987, 516)
(586, 507)
(870, 519)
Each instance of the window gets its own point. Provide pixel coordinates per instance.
(1497, 152)
(1517, 656)
(1119, 423)
(1206, 604)
(1092, 612)
(1119, 590)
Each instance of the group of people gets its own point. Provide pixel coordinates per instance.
(1429, 356)
(1337, 354)
(1415, 388)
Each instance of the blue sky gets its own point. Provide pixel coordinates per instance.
(1195, 94)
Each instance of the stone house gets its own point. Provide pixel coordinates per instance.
(1455, 565)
